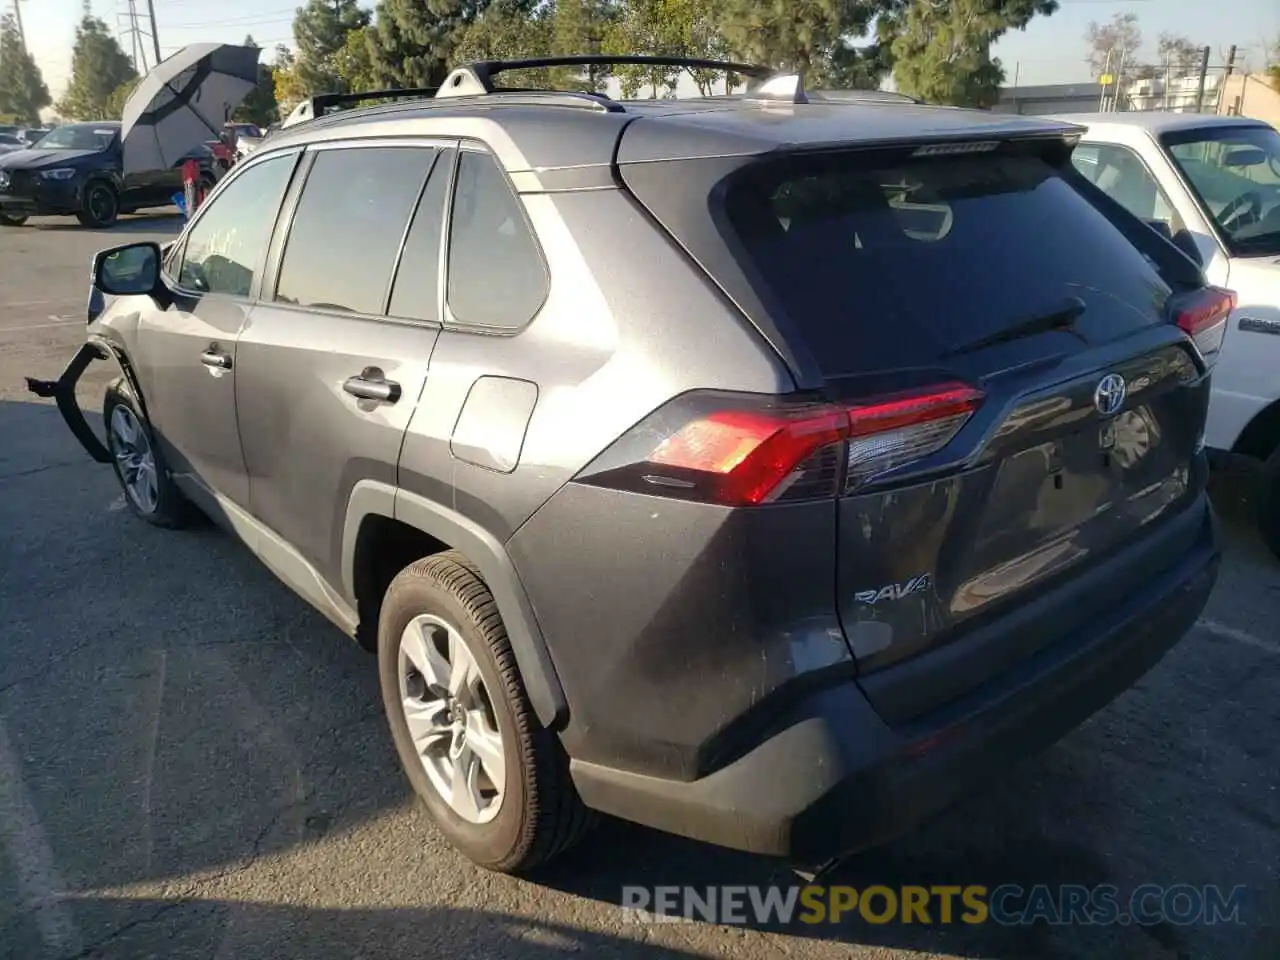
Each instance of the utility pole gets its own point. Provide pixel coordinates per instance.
(22, 34)
(1204, 72)
(155, 37)
(1231, 60)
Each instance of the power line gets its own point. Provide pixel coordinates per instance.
(246, 20)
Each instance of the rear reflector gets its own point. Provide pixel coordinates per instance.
(1203, 317)
(741, 451)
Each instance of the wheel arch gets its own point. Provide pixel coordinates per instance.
(376, 508)
(1261, 435)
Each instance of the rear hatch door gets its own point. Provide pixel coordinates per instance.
(909, 273)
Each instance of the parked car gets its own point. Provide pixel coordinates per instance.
(697, 466)
(1212, 185)
(10, 142)
(76, 170)
(31, 135)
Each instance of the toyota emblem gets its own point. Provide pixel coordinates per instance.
(1109, 396)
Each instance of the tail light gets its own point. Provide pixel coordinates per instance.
(740, 451)
(1202, 315)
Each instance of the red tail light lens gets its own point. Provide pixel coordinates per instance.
(1203, 317)
(740, 451)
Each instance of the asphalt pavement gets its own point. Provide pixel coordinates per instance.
(193, 763)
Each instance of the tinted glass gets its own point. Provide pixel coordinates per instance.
(900, 263)
(350, 219)
(81, 136)
(496, 275)
(418, 277)
(225, 246)
(1235, 173)
(1118, 172)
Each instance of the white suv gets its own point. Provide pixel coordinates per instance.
(1212, 185)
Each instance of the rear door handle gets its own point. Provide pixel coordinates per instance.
(372, 385)
(216, 359)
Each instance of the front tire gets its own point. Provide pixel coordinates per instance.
(148, 490)
(100, 207)
(495, 781)
(1269, 503)
(12, 219)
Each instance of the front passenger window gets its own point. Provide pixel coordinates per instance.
(226, 245)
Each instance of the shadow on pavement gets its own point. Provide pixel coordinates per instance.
(158, 222)
(197, 929)
(168, 707)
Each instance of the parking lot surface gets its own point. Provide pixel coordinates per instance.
(193, 763)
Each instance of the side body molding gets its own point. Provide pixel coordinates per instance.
(371, 497)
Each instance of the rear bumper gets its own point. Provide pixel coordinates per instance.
(834, 778)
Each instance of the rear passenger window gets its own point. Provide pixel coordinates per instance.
(348, 226)
(417, 283)
(496, 274)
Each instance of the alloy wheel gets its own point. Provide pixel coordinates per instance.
(451, 720)
(135, 459)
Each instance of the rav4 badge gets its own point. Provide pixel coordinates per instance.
(895, 591)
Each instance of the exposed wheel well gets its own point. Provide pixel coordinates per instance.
(384, 547)
(1262, 436)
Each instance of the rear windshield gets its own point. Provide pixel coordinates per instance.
(903, 261)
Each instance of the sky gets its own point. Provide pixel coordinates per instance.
(1050, 50)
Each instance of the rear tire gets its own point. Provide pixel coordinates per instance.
(100, 207)
(436, 603)
(12, 219)
(1269, 503)
(149, 492)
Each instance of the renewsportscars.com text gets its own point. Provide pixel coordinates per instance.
(1006, 905)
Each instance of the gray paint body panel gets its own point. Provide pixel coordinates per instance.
(491, 426)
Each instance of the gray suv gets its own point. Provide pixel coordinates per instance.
(767, 468)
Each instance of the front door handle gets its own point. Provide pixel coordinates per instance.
(216, 359)
(372, 385)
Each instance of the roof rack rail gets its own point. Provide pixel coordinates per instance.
(843, 96)
(477, 79)
(314, 107)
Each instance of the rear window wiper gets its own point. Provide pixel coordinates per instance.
(1062, 318)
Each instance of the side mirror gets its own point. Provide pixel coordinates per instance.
(128, 270)
(1161, 227)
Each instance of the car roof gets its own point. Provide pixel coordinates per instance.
(541, 130)
(1156, 121)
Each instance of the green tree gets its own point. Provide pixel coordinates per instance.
(285, 82)
(354, 62)
(98, 69)
(511, 30)
(804, 35)
(119, 97)
(22, 89)
(942, 52)
(585, 27)
(415, 40)
(320, 31)
(260, 106)
(684, 28)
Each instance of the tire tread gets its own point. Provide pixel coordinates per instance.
(555, 816)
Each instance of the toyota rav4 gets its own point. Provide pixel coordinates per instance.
(765, 468)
